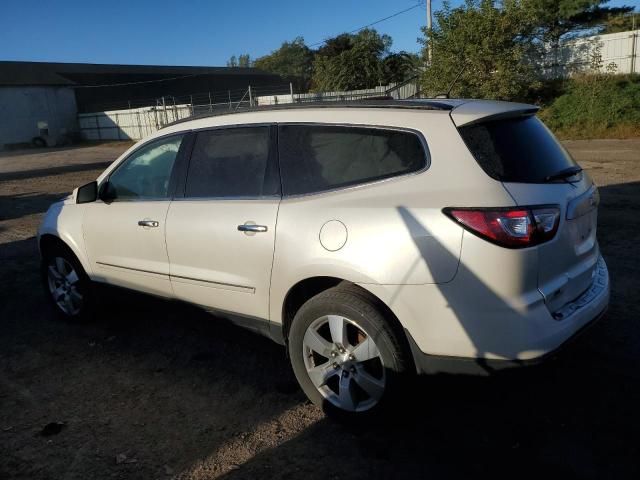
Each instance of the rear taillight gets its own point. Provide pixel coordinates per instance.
(516, 227)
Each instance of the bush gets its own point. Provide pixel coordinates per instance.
(596, 106)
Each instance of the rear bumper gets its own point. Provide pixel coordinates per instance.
(552, 335)
(471, 326)
(432, 364)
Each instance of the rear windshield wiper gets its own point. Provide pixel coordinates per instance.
(563, 174)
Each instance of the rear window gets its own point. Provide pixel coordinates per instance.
(314, 158)
(519, 150)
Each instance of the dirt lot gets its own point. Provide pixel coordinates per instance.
(154, 389)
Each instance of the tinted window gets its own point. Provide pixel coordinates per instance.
(230, 162)
(516, 150)
(314, 158)
(146, 173)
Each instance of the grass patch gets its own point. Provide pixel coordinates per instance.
(596, 106)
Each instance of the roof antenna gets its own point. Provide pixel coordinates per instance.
(455, 80)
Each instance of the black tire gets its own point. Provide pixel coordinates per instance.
(359, 308)
(83, 285)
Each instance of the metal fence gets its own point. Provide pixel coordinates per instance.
(619, 49)
(137, 123)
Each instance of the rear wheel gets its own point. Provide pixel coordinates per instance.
(66, 284)
(345, 354)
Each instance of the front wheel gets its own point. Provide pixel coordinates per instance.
(345, 354)
(66, 284)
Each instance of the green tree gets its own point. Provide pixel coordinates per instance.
(621, 23)
(400, 66)
(293, 60)
(558, 18)
(352, 61)
(490, 42)
(244, 60)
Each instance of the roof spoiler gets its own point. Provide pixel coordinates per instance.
(476, 111)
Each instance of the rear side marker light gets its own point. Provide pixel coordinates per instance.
(516, 227)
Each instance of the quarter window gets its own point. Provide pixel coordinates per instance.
(146, 173)
(314, 158)
(230, 162)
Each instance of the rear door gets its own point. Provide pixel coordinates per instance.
(523, 154)
(221, 225)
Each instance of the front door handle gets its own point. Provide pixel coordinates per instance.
(148, 223)
(249, 227)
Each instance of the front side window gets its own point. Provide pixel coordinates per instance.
(146, 173)
(314, 158)
(230, 162)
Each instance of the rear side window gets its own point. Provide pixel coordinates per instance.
(314, 158)
(519, 150)
(230, 162)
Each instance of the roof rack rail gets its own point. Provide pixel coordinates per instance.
(378, 102)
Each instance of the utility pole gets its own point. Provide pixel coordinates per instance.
(429, 32)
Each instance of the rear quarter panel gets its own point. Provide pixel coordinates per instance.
(396, 233)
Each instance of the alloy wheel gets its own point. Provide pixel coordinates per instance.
(344, 363)
(63, 284)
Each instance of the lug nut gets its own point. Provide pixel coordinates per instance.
(336, 366)
(351, 357)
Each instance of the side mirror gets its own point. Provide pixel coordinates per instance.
(107, 192)
(87, 193)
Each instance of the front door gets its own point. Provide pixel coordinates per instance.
(221, 234)
(125, 238)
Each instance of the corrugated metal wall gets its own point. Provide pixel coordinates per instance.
(134, 124)
(25, 110)
(621, 49)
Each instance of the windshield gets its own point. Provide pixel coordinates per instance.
(519, 150)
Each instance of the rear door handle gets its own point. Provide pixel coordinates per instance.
(248, 227)
(148, 223)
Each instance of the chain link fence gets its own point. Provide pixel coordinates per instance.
(138, 122)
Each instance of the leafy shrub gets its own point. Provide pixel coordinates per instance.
(596, 106)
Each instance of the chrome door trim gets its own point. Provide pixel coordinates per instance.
(111, 265)
(213, 284)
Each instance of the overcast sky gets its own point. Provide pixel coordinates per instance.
(191, 32)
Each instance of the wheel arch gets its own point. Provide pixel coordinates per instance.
(49, 241)
(307, 288)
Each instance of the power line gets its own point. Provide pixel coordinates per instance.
(140, 82)
(197, 74)
(419, 4)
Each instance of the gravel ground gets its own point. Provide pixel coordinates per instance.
(155, 389)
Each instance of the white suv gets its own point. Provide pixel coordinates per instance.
(373, 239)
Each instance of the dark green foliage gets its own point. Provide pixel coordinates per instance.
(622, 22)
(356, 63)
(293, 60)
(596, 105)
(345, 62)
(556, 18)
(244, 61)
(493, 43)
